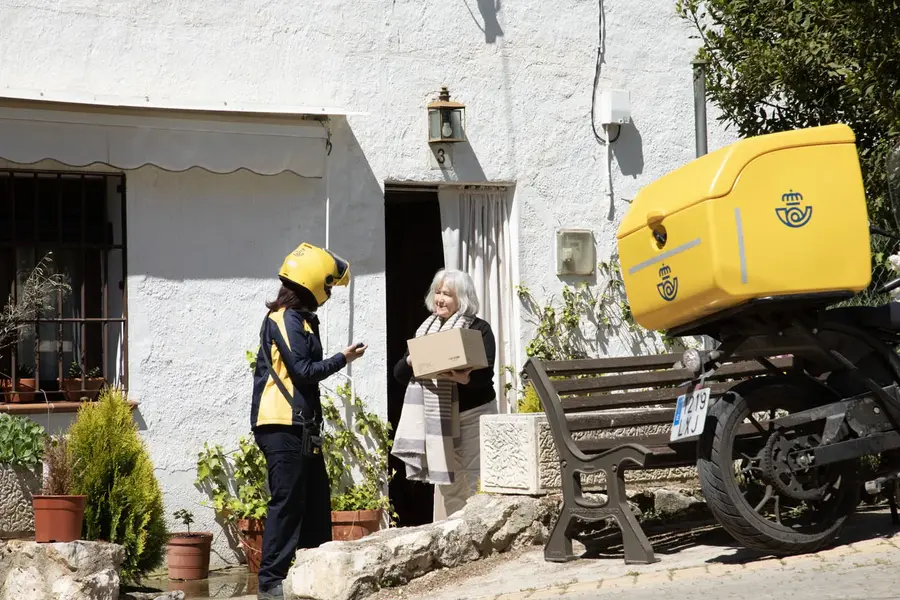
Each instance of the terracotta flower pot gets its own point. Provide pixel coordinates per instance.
(25, 390)
(251, 536)
(58, 518)
(349, 525)
(188, 555)
(72, 388)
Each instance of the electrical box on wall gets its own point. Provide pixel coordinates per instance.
(575, 252)
(615, 107)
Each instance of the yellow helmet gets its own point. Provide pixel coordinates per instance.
(315, 269)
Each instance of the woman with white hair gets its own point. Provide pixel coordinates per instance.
(438, 433)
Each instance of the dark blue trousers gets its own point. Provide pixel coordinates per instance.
(299, 514)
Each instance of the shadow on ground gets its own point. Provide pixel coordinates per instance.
(672, 538)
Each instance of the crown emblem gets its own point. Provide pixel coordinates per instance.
(792, 213)
(668, 285)
(792, 198)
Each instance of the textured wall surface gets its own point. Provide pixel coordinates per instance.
(16, 512)
(203, 249)
(518, 456)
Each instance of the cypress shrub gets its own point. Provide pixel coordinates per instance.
(113, 468)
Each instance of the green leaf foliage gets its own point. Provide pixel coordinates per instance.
(21, 441)
(361, 443)
(113, 468)
(235, 482)
(776, 65)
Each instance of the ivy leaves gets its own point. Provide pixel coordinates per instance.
(235, 482)
(363, 446)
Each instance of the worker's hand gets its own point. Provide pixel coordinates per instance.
(353, 352)
(409, 360)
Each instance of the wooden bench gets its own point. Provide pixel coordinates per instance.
(584, 399)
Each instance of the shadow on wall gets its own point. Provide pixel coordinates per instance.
(466, 166)
(488, 10)
(629, 150)
(357, 211)
(198, 225)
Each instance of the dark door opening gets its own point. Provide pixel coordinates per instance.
(413, 253)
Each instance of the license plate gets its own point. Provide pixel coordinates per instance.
(690, 415)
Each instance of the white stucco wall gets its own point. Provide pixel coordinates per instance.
(203, 248)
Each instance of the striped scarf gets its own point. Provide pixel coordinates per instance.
(428, 430)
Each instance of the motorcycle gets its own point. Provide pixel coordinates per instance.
(780, 456)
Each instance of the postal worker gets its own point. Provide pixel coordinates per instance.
(286, 413)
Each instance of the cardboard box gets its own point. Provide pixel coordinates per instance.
(453, 349)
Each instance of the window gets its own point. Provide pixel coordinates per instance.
(68, 352)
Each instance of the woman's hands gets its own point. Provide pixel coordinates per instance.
(353, 352)
(461, 377)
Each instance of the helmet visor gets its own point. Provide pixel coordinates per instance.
(341, 269)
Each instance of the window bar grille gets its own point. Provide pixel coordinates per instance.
(83, 326)
(37, 326)
(14, 289)
(105, 243)
(123, 199)
(59, 296)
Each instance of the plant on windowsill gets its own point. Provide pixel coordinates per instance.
(236, 485)
(58, 513)
(188, 552)
(71, 385)
(38, 294)
(26, 385)
(362, 446)
(21, 452)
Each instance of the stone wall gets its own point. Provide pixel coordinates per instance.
(17, 486)
(73, 571)
(518, 456)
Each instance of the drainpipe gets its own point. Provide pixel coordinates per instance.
(700, 136)
(324, 320)
(700, 105)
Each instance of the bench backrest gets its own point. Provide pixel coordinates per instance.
(606, 394)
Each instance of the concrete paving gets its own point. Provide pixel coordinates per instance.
(697, 562)
(694, 561)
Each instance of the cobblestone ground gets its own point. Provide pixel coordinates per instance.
(701, 562)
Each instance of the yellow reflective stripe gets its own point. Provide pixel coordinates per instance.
(274, 408)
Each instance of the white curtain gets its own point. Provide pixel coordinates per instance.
(476, 237)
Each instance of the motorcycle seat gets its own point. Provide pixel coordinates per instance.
(885, 317)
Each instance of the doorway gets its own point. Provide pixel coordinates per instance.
(413, 253)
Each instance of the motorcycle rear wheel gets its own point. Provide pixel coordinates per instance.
(740, 511)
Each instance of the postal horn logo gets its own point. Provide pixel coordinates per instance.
(793, 213)
(668, 285)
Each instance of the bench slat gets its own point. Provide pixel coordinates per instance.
(666, 377)
(607, 420)
(658, 443)
(576, 404)
(618, 364)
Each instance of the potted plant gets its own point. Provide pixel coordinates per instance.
(357, 506)
(236, 485)
(37, 294)
(71, 385)
(21, 451)
(58, 514)
(25, 385)
(188, 553)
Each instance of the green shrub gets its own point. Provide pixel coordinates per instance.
(114, 471)
(21, 442)
(530, 402)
